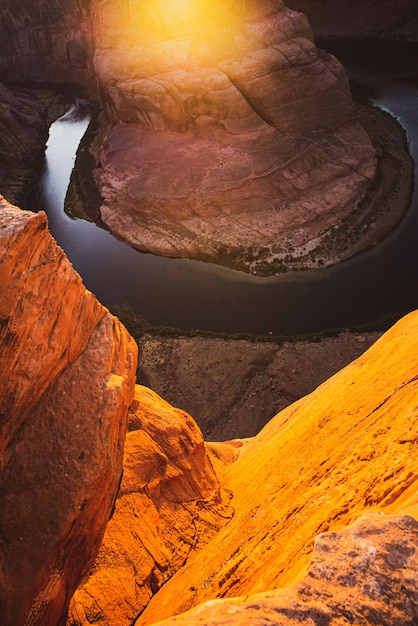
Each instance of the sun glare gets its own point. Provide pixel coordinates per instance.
(203, 22)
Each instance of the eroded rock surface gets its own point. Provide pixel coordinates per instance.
(23, 133)
(365, 574)
(68, 371)
(369, 18)
(170, 504)
(46, 41)
(347, 448)
(242, 143)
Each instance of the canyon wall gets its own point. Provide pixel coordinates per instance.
(44, 45)
(234, 141)
(47, 41)
(23, 133)
(68, 372)
(315, 518)
(365, 18)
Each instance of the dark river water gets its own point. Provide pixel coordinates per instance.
(190, 294)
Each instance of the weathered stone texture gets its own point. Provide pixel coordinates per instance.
(170, 504)
(68, 371)
(348, 447)
(223, 151)
(45, 40)
(365, 574)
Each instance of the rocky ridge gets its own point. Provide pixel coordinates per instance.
(346, 449)
(68, 374)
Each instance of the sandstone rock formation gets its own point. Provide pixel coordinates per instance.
(46, 41)
(23, 132)
(369, 18)
(365, 574)
(324, 503)
(347, 448)
(237, 143)
(170, 504)
(68, 371)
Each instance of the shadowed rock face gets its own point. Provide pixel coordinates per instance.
(23, 131)
(225, 147)
(46, 40)
(369, 18)
(67, 369)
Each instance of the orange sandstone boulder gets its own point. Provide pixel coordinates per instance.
(347, 448)
(170, 504)
(68, 370)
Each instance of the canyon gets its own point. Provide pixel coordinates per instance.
(313, 519)
(115, 509)
(274, 162)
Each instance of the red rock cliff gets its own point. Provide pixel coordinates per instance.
(68, 371)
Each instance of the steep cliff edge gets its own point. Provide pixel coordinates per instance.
(68, 372)
(234, 141)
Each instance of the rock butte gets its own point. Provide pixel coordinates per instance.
(244, 145)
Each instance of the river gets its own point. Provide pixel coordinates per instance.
(191, 294)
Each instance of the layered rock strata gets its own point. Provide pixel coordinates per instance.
(235, 144)
(68, 372)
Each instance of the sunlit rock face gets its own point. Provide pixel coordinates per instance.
(346, 449)
(230, 136)
(364, 574)
(46, 40)
(68, 371)
(170, 505)
(369, 18)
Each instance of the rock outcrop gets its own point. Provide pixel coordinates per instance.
(23, 133)
(324, 503)
(353, 19)
(229, 141)
(170, 504)
(68, 372)
(365, 574)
